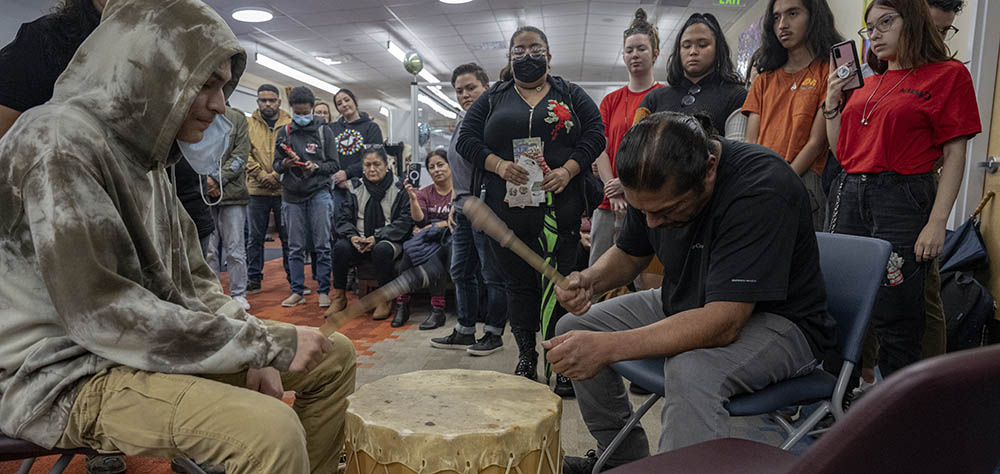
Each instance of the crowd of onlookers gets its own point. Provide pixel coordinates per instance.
(881, 159)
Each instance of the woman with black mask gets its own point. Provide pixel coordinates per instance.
(555, 129)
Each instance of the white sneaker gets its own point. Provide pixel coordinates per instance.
(293, 300)
(863, 388)
(306, 291)
(243, 301)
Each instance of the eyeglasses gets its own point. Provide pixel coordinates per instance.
(536, 52)
(948, 32)
(688, 100)
(882, 25)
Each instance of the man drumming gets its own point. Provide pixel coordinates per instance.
(742, 304)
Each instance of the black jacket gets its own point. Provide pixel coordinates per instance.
(400, 226)
(583, 143)
(296, 185)
(351, 138)
(186, 181)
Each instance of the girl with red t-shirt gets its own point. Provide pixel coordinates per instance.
(642, 46)
(917, 111)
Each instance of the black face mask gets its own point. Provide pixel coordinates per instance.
(529, 68)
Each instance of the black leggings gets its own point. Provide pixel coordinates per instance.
(345, 256)
(524, 283)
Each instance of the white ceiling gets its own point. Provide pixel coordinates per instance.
(585, 37)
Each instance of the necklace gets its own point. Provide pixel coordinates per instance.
(866, 115)
(798, 75)
(537, 89)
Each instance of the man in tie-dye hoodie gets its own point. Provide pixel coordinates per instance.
(114, 333)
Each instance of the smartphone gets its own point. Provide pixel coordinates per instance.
(846, 54)
(413, 174)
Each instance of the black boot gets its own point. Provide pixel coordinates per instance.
(434, 320)
(527, 356)
(402, 315)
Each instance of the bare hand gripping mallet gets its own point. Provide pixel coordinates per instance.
(483, 219)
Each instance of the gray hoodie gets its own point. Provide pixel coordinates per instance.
(100, 264)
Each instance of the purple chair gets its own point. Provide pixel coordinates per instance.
(939, 415)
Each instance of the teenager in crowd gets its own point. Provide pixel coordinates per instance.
(352, 131)
(305, 158)
(568, 124)
(783, 103)
(480, 292)
(919, 109)
(642, 47)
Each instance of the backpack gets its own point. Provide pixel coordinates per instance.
(968, 306)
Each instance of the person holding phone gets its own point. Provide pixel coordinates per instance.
(919, 109)
(373, 224)
(429, 208)
(783, 104)
(306, 158)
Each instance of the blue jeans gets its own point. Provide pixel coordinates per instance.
(309, 220)
(894, 208)
(258, 211)
(468, 249)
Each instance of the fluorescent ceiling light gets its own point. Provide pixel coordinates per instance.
(252, 15)
(295, 73)
(327, 61)
(436, 90)
(383, 110)
(437, 107)
(396, 51)
(455, 2)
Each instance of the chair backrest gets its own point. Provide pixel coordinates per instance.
(939, 415)
(853, 268)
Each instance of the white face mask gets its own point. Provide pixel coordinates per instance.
(205, 157)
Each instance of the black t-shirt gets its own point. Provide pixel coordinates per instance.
(30, 65)
(753, 242)
(270, 121)
(719, 99)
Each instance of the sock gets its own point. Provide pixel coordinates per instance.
(437, 301)
(403, 299)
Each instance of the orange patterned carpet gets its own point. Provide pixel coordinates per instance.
(363, 332)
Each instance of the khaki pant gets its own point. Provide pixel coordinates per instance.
(214, 419)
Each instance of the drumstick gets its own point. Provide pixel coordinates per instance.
(483, 219)
(408, 281)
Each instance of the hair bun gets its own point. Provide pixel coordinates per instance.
(640, 18)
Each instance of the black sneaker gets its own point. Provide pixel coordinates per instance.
(637, 390)
(455, 340)
(564, 387)
(487, 345)
(578, 465)
(253, 287)
(105, 464)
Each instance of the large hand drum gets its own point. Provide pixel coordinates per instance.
(454, 422)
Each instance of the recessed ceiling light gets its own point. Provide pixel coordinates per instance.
(328, 61)
(252, 15)
(455, 2)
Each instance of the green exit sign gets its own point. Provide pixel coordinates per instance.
(729, 2)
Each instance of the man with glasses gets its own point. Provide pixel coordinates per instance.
(943, 15)
(263, 183)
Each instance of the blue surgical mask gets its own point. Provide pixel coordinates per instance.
(302, 120)
(205, 157)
